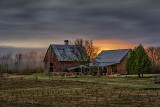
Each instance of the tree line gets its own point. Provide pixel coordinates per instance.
(22, 63)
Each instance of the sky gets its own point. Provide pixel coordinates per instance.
(111, 24)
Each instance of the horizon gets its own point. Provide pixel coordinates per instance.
(102, 45)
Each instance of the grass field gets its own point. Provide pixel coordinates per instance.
(130, 81)
(45, 90)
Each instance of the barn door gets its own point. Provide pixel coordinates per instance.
(54, 67)
(51, 67)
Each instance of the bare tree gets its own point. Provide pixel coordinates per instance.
(18, 62)
(40, 60)
(36, 59)
(6, 62)
(154, 54)
(80, 52)
(90, 48)
(9, 61)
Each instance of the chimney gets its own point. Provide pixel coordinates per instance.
(66, 42)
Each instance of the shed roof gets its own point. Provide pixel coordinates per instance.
(110, 57)
(70, 52)
(79, 66)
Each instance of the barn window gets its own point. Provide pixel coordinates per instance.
(51, 67)
(51, 64)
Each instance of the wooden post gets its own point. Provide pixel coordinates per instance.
(98, 70)
(81, 70)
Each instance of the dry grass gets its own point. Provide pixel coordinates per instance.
(79, 91)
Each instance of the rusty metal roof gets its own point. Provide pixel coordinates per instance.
(70, 53)
(110, 57)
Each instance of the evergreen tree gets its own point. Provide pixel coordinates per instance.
(138, 62)
(130, 63)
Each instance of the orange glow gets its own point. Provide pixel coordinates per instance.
(103, 44)
(113, 44)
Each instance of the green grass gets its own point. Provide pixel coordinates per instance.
(38, 76)
(131, 81)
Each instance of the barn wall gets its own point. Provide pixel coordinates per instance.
(109, 70)
(51, 58)
(121, 67)
(67, 64)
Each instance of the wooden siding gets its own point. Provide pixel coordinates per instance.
(121, 67)
(64, 65)
(51, 58)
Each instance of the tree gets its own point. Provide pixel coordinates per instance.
(18, 61)
(130, 65)
(138, 62)
(90, 48)
(154, 55)
(142, 61)
(81, 53)
(6, 62)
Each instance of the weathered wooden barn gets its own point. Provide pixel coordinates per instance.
(112, 61)
(59, 58)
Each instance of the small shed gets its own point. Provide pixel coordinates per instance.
(112, 61)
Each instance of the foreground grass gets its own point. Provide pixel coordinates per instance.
(79, 90)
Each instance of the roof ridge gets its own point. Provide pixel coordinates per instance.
(62, 45)
(116, 49)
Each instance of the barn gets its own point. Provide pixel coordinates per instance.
(60, 57)
(112, 61)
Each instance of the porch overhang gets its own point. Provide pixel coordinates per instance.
(105, 64)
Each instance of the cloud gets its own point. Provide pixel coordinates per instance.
(130, 20)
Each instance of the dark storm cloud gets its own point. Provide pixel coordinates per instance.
(134, 20)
